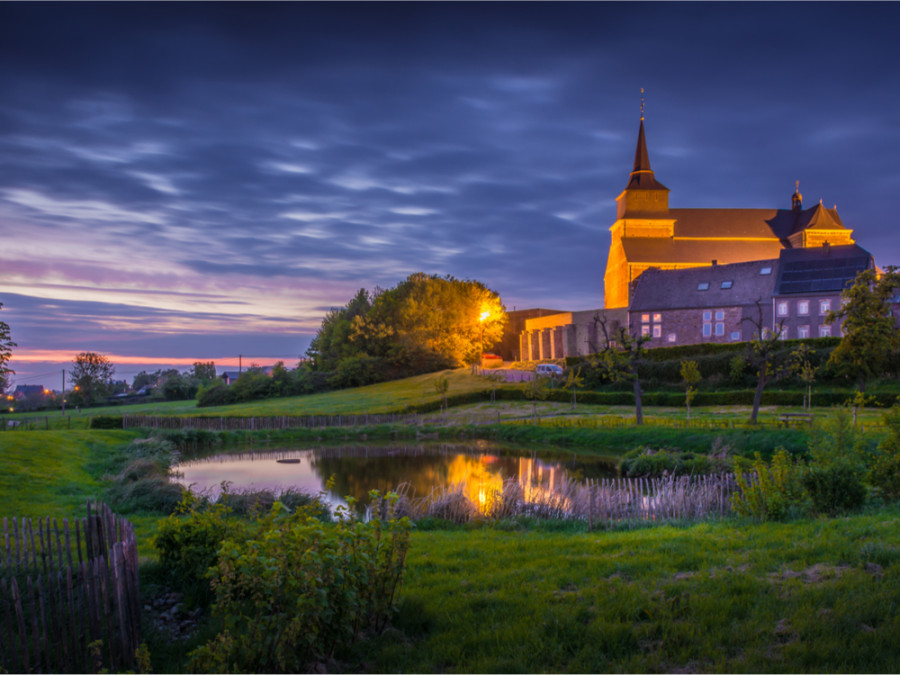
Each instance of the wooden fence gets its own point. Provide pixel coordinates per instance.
(65, 586)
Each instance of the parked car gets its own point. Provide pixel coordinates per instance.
(548, 370)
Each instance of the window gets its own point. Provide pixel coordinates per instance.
(765, 270)
(727, 284)
(802, 332)
(703, 286)
(707, 316)
(720, 329)
(803, 307)
(645, 330)
(707, 329)
(736, 336)
(671, 337)
(824, 331)
(657, 331)
(720, 315)
(782, 308)
(645, 318)
(657, 317)
(824, 307)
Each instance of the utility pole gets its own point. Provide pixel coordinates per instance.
(240, 364)
(64, 392)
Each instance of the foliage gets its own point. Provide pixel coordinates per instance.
(203, 371)
(6, 345)
(690, 375)
(768, 491)
(106, 422)
(536, 389)
(441, 387)
(649, 462)
(869, 333)
(884, 472)
(573, 382)
(835, 488)
(92, 377)
(620, 356)
(425, 323)
(293, 590)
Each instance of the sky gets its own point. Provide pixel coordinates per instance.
(183, 182)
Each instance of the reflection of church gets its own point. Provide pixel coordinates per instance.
(647, 234)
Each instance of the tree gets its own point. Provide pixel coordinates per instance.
(91, 375)
(6, 345)
(766, 355)
(441, 387)
(203, 371)
(536, 389)
(806, 371)
(619, 358)
(869, 332)
(690, 375)
(574, 381)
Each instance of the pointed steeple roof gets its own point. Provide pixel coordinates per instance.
(642, 177)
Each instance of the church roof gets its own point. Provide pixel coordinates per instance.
(734, 223)
(700, 252)
(701, 287)
(819, 218)
(642, 177)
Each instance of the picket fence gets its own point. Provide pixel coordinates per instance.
(69, 594)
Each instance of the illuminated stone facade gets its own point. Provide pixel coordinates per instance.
(647, 233)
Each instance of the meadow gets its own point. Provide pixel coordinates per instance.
(810, 594)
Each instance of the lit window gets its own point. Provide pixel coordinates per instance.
(707, 316)
(645, 318)
(657, 317)
(824, 307)
(765, 270)
(727, 284)
(720, 329)
(645, 330)
(735, 336)
(703, 286)
(707, 329)
(720, 315)
(824, 331)
(657, 331)
(782, 308)
(802, 332)
(803, 307)
(670, 337)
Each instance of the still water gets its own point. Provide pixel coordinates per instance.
(482, 466)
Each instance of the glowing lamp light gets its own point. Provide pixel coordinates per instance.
(484, 316)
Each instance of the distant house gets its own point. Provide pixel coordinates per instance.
(230, 376)
(29, 392)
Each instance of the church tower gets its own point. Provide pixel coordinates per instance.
(642, 212)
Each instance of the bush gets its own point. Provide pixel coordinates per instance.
(647, 462)
(884, 472)
(294, 590)
(106, 422)
(835, 488)
(214, 394)
(768, 491)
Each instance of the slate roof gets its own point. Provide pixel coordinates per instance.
(642, 177)
(678, 289)
(821, 269)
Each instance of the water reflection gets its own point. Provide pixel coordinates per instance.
(480, 466)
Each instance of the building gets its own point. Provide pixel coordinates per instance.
(647, 233)
(725, 303)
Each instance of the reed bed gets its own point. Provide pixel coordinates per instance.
(604, 503)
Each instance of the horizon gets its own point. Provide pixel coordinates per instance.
(194, 182)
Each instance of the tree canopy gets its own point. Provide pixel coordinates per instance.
(425, 323)
(92, 377)
(869, 332)
(6, 345)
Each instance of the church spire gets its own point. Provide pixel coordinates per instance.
(642, 175)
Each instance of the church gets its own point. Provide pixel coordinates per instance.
(649, 235)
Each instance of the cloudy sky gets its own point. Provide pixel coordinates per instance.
(183, 182)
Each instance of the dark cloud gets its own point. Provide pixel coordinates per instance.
(344, 145)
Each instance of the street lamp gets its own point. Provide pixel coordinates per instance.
(481, 320)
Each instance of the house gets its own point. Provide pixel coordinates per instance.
(230, 376)
(29, 392)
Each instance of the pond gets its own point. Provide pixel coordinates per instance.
(480, 465)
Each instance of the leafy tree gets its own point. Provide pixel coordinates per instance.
(178, 387)
(145, 379)
(6, 345)
(767, 356)
(441, 387)
(619, 357)
(494, 378)
(536, 389)
(203, 371)
(869, 332)
(690, 375)
(332, 342)
(573, 382)
(806, 371)
(92, 374)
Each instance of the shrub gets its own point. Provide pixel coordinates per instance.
(835, 488)
(768, 491)
(106, 422)
(213, 394)
(648, 462)
(884, 472)
(295, 590)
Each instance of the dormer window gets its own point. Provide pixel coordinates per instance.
(765, 270)
(726, 284)
(703, 286)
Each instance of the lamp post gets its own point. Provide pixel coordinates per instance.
(481, 320)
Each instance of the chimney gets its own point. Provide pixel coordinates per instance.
(826, 248)
(715, 262)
